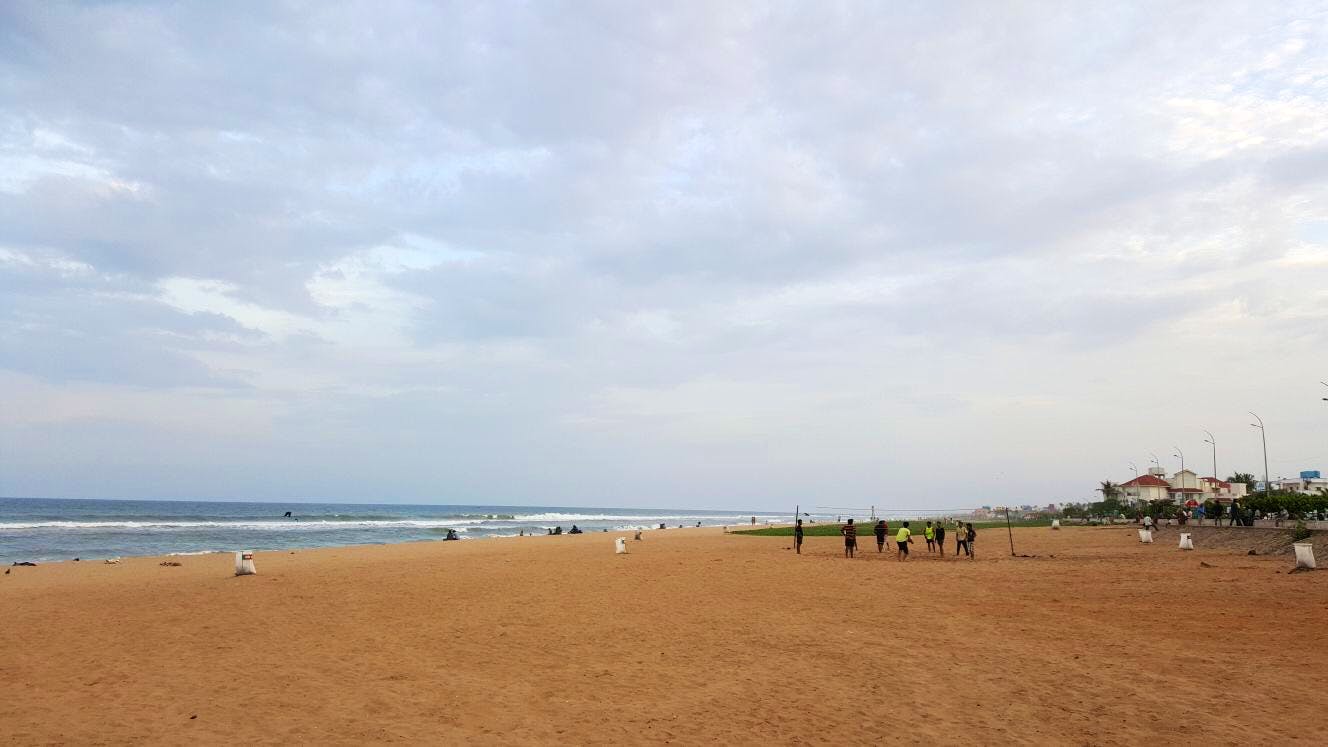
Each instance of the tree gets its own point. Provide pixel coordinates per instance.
(1109, 490)
(1244, 477)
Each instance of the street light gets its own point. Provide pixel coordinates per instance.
(1213, 441)
(1263, 434)
(1155, 460)
(1138, 489)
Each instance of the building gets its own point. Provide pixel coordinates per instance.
(1185, 486)
(1145, 488)
(1309, 483)
(1221, 490)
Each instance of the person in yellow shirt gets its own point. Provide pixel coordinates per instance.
(904, 538)
(930, 535)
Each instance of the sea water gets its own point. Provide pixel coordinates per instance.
(46, 529)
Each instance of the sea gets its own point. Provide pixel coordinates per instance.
(52, 529)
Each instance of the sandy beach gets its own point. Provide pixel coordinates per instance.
(695, 636)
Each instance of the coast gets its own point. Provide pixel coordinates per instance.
(694, 636)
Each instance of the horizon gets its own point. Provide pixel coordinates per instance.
(636, 255)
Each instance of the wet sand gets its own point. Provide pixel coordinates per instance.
(694, 637)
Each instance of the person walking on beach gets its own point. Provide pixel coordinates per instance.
(940, 538)
(880, 529)
(850, 533)
(903, 538)
(972, 536)
(929, 534)
(797, 536)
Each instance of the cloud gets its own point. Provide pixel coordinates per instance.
(728, 255)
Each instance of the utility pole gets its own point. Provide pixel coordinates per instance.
(1213, 441)
(1263, 434)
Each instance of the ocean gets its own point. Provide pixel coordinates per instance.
(48, 529)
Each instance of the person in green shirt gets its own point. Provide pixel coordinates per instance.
(904, 538)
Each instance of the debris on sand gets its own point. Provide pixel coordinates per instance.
(171, 563)
(1205, 565)
(1300, 569)
(30, 565)
(1252, 552)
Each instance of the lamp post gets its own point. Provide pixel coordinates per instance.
(1263, 434)
(1213, 441)
(1181, 474)
(1137, 486)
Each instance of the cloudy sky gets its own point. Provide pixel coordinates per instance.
(683, 254)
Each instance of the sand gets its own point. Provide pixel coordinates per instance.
(696, 636)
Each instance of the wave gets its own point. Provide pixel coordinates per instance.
(277, 526)
(641, 517)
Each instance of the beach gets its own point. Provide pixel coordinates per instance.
(694, 636)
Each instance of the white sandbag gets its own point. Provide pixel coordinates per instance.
(1304, 555)
(621, 545)
(1185, 542)
(1145, 536)
(1055, 523)
(244, 563)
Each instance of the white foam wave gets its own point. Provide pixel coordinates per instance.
(639, 518)
(282, 526)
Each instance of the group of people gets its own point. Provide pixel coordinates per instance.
(934, 533)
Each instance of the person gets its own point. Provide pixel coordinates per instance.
(929, 534)
(797, 536)
(451, 535)
(1234, 513)
(288, 515)
(850, 533)
(753, 521)
(903, 538)
(880, 529)
(574, 530)
(558, 530)
(961, 538)
(971, 535)
(1148, 522)
(940, 538)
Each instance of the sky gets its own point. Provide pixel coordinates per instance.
(712, 255)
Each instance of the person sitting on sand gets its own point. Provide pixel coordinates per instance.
(451, 535)
(797, 536)
(574, 530)
(940, 538)
(929, 534)
(903, 538)
(880, 530)
(850, 533)
(558, 530)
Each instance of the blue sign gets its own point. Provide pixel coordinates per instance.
(1310, 474)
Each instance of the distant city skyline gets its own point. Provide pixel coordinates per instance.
(716, 256)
